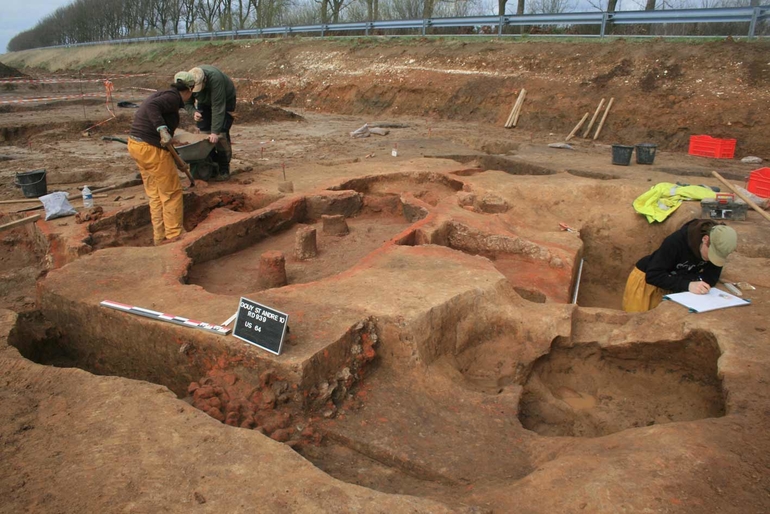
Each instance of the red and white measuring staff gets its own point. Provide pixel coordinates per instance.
(64, 80)
(170, 318)
(50, 98)
(46, 81)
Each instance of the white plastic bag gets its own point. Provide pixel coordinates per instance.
(56, 205)
(361, 132)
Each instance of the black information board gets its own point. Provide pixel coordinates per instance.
(260, 325)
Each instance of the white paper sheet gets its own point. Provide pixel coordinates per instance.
(715, 299)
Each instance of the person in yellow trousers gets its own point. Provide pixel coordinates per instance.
(151, 132)
(690, 259)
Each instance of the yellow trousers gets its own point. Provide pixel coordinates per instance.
(640, 296)
(161, 183)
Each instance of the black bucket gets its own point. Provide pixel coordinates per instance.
(645, 153)
(621, 154)
(32, 183)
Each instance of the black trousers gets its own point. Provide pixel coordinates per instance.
(222, 153)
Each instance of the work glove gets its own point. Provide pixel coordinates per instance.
(165, 136)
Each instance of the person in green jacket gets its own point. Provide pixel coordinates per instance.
(211, 106)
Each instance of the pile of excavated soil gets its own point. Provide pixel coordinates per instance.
(664, 91)
(7, 72)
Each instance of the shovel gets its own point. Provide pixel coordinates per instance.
(178, 160)
(181, 164)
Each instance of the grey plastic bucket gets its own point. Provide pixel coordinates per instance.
(645, 153)
(621, 154)
(32, 183)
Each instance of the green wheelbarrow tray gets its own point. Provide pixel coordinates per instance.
(194, 148)
(191, 148)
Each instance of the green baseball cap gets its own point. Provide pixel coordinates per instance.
(186, 78)
(722, 242)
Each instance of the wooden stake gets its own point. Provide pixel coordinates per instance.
(521, 106)
(513, 111)
(577, 127)
(742, 196)
(516, 106)
(21, 200)
(604, 117)
(18, 223)
(36, 200)
(593, 119)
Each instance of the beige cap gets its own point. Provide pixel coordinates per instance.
(199, 78)
(722, 242)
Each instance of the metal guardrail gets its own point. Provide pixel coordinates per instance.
(750, 15)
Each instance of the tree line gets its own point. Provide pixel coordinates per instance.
(100, 20)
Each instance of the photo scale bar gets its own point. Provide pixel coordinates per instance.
(169, 318)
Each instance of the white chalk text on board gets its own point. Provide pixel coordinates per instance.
(260, 325)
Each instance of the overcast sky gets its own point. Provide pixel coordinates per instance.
(19, 15)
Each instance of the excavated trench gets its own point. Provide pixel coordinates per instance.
(508, 412)
(22, 263)
(133, 227)
(590, 391)
(509, 380)
(495, 162)
(376, 210)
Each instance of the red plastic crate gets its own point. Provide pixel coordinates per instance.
(759, 182)
(707, 146)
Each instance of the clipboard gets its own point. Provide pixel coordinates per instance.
(715, 299)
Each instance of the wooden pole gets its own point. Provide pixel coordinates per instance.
(521, 106)
(36, 200)
(513, 111)
(604, 117)
(577, 127)
(593, 119)
(516, 106)
(128, 183)
(21, 200)
(18, 223)
(742, 196)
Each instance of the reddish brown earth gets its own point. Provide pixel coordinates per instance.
(434, 361)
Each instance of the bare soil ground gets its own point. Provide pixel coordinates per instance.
(434, 362)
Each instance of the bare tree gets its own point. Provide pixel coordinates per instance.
(161, 14)
(243, 16)
(373, 9)
(207, 12)
(550, 6)
(268, 12)
(403, 9)
(190, 14)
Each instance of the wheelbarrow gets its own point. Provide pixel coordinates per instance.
(198, 155)
(195, 150)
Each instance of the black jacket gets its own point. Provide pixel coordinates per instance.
(158, 109)
(678, 261)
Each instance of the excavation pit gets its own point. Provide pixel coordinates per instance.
(133, 227)
(459, 323)
(22, 262)
(589, 391)
(43, 343)
(372, 223)
(541, 269)
(426, 187)
(482, 163)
